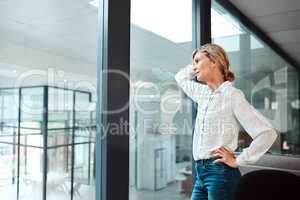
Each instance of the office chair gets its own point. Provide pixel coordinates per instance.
(268, 185)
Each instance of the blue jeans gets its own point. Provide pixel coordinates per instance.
(214, 181)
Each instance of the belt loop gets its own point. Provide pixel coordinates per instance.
(204, 163)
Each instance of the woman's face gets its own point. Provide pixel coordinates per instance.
(203, 67)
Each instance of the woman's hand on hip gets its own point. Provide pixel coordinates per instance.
(227, 157)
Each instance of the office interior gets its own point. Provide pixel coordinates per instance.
(48, 95)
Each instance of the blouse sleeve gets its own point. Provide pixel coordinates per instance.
(256, 125)
(184, 79)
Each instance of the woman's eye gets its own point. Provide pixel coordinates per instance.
(196, 60)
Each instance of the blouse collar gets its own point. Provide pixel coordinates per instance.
(221, 87)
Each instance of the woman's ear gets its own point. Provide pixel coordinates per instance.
(213, 65)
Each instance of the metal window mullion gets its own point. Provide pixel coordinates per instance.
(205, 21)
(18, 143)
(45, 141)
(100, 154)
(201, 27)
(73, 146)
(89, 144)
(113, 93)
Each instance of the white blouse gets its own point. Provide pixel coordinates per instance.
(220, 113)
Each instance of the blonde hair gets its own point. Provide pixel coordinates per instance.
(217, 55)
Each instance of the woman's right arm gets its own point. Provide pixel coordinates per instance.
(184, 79)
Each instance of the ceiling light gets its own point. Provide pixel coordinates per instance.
(94, 3)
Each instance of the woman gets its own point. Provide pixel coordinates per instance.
(221, 108)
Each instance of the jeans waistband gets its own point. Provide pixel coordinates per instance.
(208, 160)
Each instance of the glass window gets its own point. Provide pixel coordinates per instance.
(160, 114)
(9, 105)
(270, 84)
(47, 44)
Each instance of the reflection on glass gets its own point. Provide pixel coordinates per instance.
(60, 108)
(269, 83)
(160, 115)
(32, 108)
(9, 104)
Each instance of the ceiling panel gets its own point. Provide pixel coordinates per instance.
(49, 33)
(38, 10)
(288, 36)
(69, 26)
(292, 47)
(258, 8)
(279, 22)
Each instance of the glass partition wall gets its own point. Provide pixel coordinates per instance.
(46, 143)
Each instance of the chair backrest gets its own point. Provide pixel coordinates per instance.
(268, 184)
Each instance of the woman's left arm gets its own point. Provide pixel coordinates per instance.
(256, 125)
